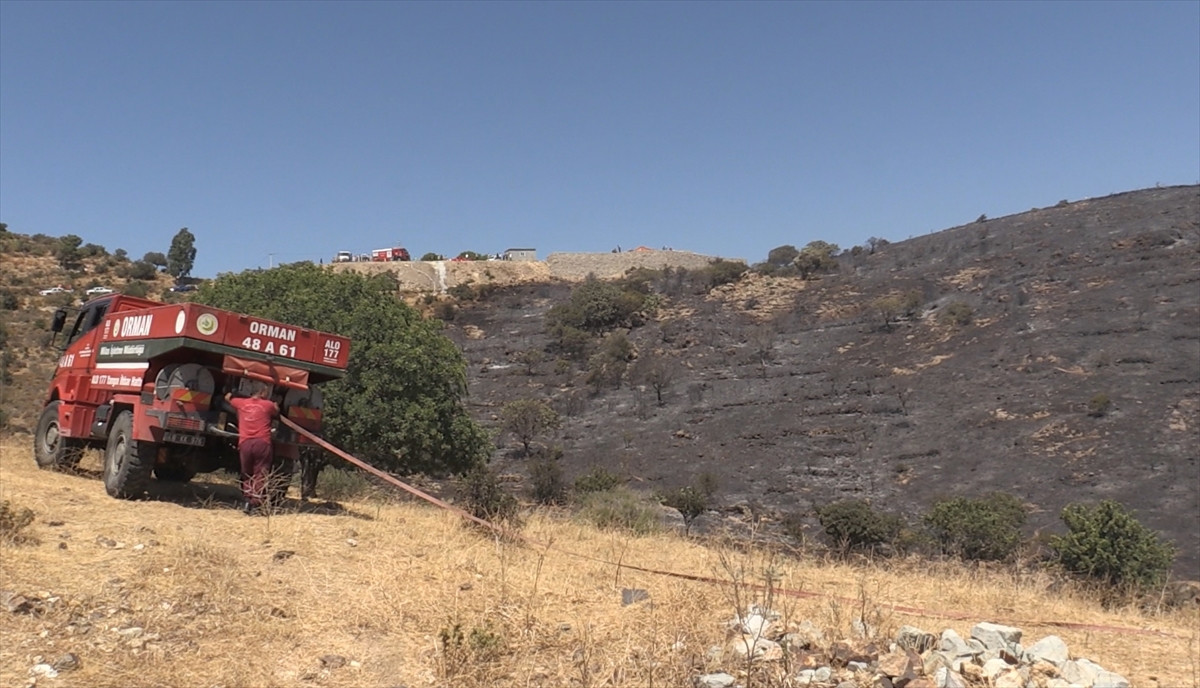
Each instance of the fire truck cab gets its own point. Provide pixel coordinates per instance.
(145, 383)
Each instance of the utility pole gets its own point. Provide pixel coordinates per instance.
(270, 260)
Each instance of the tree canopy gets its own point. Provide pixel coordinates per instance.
(400, 405)
(182, 254)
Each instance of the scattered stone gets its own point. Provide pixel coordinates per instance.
(139, 547)
(952, 643)
(333, 661)
(62, 545)
(857, 666)
(105, 542)
(805, 677)
(756, 648)
(1081, 672)
(807, 636)
(1011, 678)
(67, 662)
(912, 638)
(822, 674)
(43, 670)
(131, 632)
(464, 587)
(282, 555)
(996, 637)
(1108, 679)
(721, 680)
(14, 603)
(352, 542)
(946, 678)
(1050, 649)
(55, 524)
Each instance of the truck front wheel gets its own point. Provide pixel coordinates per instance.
(51, 450)
(127, 462)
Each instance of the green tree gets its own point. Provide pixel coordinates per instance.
(815, 258)
(527, 419)
(400, 405)
(853, 523)
(182, 254)
(431, 256)
(155, 258)
(782, 255)
(1106, 543)
(141, 270)
(121, 254)
(68, 252)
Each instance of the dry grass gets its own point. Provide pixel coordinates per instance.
(420, 600)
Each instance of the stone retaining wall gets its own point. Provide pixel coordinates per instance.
(576, 266)
(438, 276)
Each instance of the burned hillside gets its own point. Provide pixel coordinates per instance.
(1053, 354)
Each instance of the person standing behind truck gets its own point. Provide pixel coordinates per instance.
(254, 443)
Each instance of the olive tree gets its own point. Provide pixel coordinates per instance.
(400, 404)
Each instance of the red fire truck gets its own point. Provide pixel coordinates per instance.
(384, 255)
(145, 381)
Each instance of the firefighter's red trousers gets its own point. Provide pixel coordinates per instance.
(256, 456)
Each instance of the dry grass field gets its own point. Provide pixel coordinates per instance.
(408, 596)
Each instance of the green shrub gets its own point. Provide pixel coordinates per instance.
(988, 528)
(431, 257)
(142, 270)
(693, 500)
(1099, 405)
(483, 497)
(137, 289)
(1107, 544)
(620, 508)
(855, 524)
(546, 481)
(717, 273)
(8, 300)
(597, 307)
(957, 313)
(597, 480)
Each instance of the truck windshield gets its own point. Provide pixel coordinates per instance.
(88, 319)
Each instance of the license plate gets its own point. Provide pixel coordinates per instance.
(183, 438)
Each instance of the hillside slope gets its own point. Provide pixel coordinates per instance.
(794, 393)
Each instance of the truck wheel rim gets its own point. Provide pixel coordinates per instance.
(50, 438)
(118, 454)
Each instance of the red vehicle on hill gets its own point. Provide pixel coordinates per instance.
(384, 255)
(145, 381)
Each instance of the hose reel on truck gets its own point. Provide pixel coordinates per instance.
(189, 376)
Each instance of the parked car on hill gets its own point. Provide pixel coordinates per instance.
(55, 290)
(184, 287)
(96, 291)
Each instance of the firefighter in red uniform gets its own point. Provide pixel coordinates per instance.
(254, 443)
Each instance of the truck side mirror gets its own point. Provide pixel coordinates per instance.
(60, 319)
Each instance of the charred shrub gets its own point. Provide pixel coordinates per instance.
(855, 524)
(1105, 543)
(1099, 406)
(484, 497)
(546, 482)
(984, 529)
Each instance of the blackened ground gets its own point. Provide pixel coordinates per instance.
(794, 394)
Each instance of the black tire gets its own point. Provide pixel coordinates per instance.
(174, 474)
(51, 450)
(127, 462)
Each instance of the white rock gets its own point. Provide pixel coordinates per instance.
(43, 670)
(996, 637)
(858, 666)
(1009, 679)
(756, 648)
(1079, 671)
(721, 680)
(994, 667)
(822, 674)
(953, 643)
(805, 677)
(1107, 679)
(1050, 649)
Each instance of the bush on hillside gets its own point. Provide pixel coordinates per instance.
(1099, 405)
(691, 500)
(483, 497)
(607, 367)
(137, 289)
(1106, 543)
(596, 480)
(957, 313)
(8, 300)
(597, 307)
(855, 524)
(546, 482)
(620, 508)
(988, 528)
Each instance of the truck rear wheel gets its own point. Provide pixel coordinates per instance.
(51, 450)
(127, 462)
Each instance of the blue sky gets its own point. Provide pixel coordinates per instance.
(728, 129)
